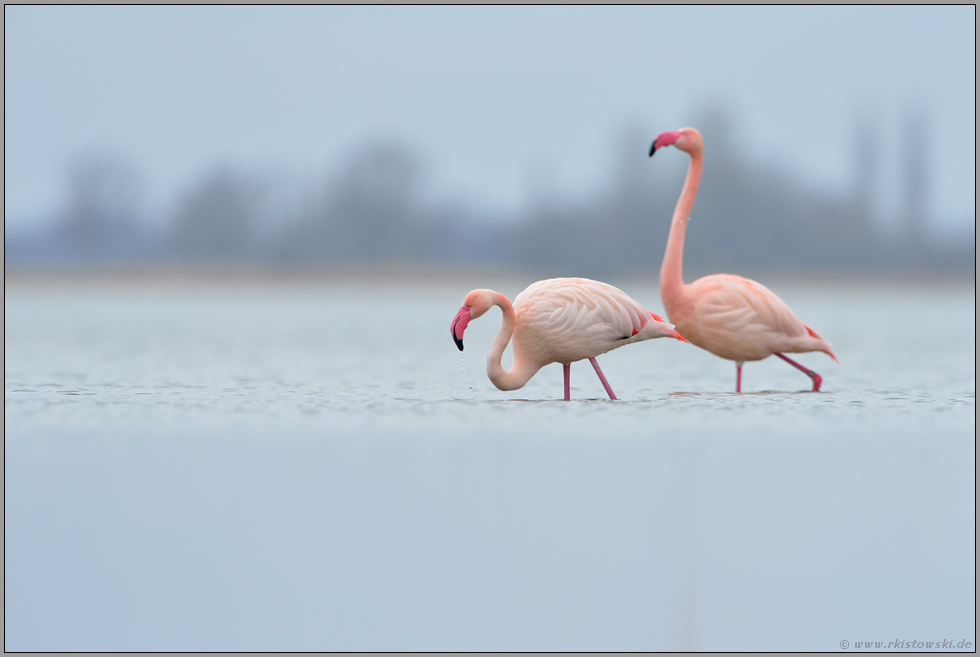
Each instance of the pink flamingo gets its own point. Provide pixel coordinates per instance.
(730, 316)
(559, 320)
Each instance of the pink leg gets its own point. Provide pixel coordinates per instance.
(567, 367)
(817, 380)
(738, 377)
(605, 384)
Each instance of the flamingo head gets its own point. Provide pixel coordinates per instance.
(686, 139)
(475, 304)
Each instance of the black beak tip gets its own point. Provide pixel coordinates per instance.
(653, 147)
(458, 341)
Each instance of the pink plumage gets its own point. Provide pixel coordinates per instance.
(730, 316)
(559, 320)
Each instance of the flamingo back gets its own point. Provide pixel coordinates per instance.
(742, 320)
(570, 319)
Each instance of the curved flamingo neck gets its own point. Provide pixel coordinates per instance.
(519, 373)
(671, 271)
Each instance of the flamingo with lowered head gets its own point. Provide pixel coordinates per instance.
(730, 316)
(559, 320)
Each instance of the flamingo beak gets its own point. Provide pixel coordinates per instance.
(459, 324)
(664, 139)
(678, 336)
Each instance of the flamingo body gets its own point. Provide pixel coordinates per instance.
(740, 319)
(564, 320)
(730, 316)
(559, 320)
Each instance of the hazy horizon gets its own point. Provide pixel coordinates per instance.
(503, 105)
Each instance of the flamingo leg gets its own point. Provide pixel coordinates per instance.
(738, 377)
(817, 379)
(605, 384)
(567, 367)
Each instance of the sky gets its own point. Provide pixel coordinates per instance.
(499, 101)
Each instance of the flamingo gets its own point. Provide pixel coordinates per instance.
(730, 316)
(559, 320)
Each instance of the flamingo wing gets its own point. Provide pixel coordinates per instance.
(741, 319)
(578, 318)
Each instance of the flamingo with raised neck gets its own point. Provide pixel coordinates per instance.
(730, 316)
(559, 320)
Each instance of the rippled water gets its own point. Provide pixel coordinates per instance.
(316, 467)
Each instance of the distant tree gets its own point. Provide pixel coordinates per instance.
(745, 216)
(867, 163)
(915, 164)
(750, 215)
(218, 216)
(103, 204)
(371, 209)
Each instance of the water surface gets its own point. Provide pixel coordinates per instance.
(316, 467)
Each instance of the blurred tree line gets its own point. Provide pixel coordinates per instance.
(373, 210)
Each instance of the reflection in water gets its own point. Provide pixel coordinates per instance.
(681, 502)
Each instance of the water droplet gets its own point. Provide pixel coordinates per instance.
(468, 385)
